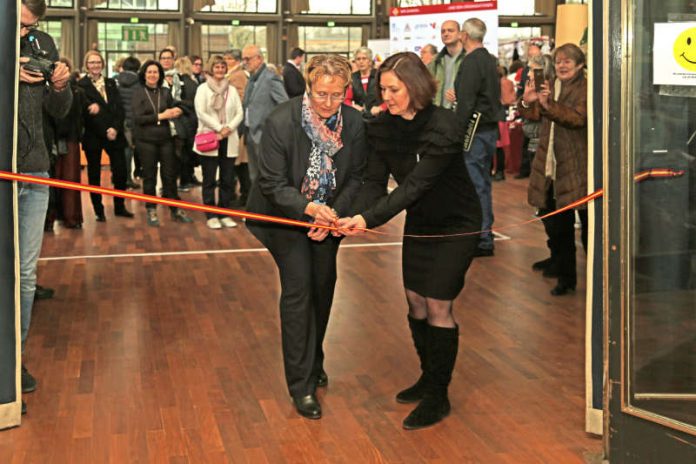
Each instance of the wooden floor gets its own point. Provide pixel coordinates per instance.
(176, 358)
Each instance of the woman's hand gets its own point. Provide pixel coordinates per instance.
(375, 110)
(93, 109)
(530, 94)
(111, 134)
(224, 133)
(318, 234)
(451, 95)
(352, 226)
(175, 112)
(321, 213)
(544, 95)
(358, 107)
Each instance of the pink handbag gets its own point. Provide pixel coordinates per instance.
(206, 141)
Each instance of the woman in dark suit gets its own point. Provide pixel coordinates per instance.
(104, 130)
(311, 161)
(153, 112)
(418, 143)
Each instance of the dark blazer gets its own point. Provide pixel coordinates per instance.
(283, 162)
(292, 79)
(111, 114)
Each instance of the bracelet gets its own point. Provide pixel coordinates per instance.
(524, 105)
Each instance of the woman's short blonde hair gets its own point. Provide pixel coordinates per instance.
(327, 65)
(93, 53)
(183, 65)
(212, 61)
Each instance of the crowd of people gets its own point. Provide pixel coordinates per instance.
(320, 143)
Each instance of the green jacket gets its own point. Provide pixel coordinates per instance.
(437, 69)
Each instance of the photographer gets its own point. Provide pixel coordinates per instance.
(43, 86)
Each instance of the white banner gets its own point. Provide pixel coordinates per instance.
(412, 28)
(674, 54)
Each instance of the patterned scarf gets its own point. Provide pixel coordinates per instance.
(320, 181)
(100, 85)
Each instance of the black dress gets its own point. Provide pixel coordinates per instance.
(425, 157)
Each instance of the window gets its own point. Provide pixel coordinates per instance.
(169, 5)
(59, 3)
(340, 7)
(113, 47)
(219, 38)
(244, 6)
(52, 28)
(340, 40)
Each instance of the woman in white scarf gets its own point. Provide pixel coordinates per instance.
(219, 110)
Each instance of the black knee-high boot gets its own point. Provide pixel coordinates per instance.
(414, 393)
(441, 354)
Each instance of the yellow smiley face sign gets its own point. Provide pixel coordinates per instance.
(685, 49)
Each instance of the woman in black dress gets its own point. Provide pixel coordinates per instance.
(418, 143)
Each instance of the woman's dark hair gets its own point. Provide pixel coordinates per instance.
(143, 69)
(131, 64)
(410, 70)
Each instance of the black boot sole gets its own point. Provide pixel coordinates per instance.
(425, 426)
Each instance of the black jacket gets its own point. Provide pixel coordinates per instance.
(477, 86)
(283, 162)
(293, 80)
(127, 82)
(146, 127)
(425, 157)
(111, 114)
(34, 101)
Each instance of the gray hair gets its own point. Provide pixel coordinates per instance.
(475, 29)
(544, 62)
(235, 53)
(364, 51)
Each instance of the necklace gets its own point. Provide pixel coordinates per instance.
(154, 108)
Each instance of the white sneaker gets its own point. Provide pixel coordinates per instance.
(228, 222)
(213, 223)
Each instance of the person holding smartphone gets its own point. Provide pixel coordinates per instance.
(559, 171)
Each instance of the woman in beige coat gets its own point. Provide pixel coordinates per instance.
(219, 110)
(559, 171)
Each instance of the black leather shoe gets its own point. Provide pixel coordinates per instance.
(562, 288)
(522, 175)
(483, 252)
(43, 293)
(308, 406)
(28, 381)
(322, 378)
(101, 217)
(124, 213)
(24, 408)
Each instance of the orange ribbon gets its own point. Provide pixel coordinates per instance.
(63, 184)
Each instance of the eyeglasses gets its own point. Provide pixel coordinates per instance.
(246, 59)
(94, 62)
(31, 26)
(324, 96)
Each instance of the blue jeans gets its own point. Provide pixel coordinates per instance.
(478, 162)
(33, 203)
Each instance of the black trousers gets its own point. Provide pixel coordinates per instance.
(162, 152)
(308, 278)
(117, 160)
(210, 166)
(188, 157)
(560, 230)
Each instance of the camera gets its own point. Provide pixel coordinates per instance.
(38, 59)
